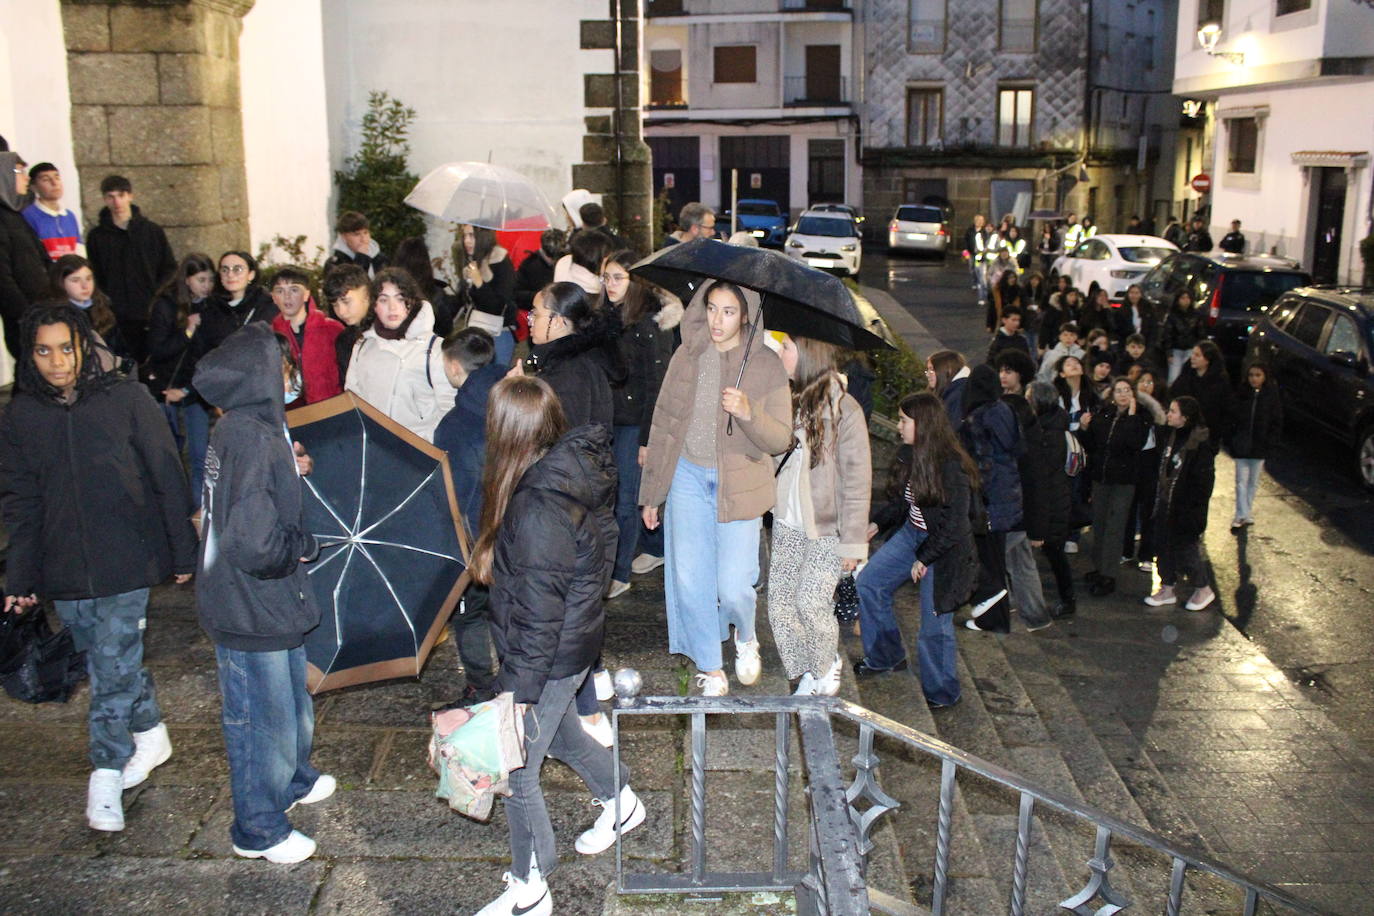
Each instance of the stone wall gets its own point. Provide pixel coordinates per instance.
(155, 97)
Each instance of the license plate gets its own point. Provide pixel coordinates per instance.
(759, 233)
(918, 236)
(821, 262)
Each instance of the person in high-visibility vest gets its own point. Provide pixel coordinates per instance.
(980, 247)
(1073, 234)
(1089, 228)
(1016, 246)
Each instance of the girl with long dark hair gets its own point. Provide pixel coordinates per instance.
(1179, 332)
(1258, 426)
(173, 323)
(946, 374)
(936, 480)
(820, 518)
(992, 436)
(72, 281)
(1187, 473)
(486, 286)
(1205, 379)
(545, 547)
(1114, 435)
(412, 256)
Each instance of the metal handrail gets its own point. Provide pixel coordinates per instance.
(828, 854)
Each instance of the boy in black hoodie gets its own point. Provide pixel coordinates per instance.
(253, 596)
(97, 509)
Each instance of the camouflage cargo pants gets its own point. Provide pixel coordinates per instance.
(110, 630)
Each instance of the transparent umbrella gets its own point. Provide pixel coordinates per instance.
(481, 194)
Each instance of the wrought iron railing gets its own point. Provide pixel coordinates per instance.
(840, 832)
(799, 90)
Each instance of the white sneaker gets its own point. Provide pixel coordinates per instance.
(601, 835)
(748, 665)
(806, 687)
(151, 749)
(323, 788)
(1164, 596)
(1201, 600)
(617, 589)
(713, 685)
(982, 607)
(105, 801)
(605, 690)
(297, 847)
(600, 730)
(828, 684)
(1071, 547)
(530, 897)
(645, 563)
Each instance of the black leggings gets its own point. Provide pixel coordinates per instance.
(1059, 565)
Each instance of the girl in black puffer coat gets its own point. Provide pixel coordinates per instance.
(1179, 332)
(1049, 504)
(993, 437)
(1187, 472)
(1114, 435)
(1258, 425)
(546, 546)
(575, 351)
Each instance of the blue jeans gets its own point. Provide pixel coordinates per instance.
(626, 500)
(979, 272)
(1248, 472)
(710, 570)
(269, 729)
(886, 571)
(110, 631)
(191, 426)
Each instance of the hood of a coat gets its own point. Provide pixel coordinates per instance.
(579, 466)
(245, 372)
(9, 194)
(107, 218)
(472, 397)
(696, 336)
(373, 249)
(984, 387)
(1055, 420)
(421, 325)
(669, 313)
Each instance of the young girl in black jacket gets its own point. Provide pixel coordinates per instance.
(1258, 423)
(546, 544)
(1187, 472)
(1114, 435)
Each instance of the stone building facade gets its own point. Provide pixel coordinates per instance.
(1004, 106)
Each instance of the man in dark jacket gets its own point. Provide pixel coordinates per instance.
(1199, 239)
(594, 218)
(97, 509)
(1016, 370)
(1233, 241)
(23, 278)
(536, 271)
(462, 433)
(253, 595)
(131, 258)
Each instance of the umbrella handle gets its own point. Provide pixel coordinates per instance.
(748, 345)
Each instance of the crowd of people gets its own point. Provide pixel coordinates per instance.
(597, 428)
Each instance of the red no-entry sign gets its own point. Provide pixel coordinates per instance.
(1202, 182)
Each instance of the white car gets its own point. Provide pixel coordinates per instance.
(826, 239)
(1111, 262)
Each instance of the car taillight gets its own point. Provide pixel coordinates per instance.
(942, 231)
(1214, 303)
(892, 226)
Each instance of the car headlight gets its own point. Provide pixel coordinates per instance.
(1123, 274)
(850, 248)
(795, 244)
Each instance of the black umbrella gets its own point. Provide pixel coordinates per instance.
(797, 299)
(393, 555)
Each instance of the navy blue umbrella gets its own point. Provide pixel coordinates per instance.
(797, 299)
(393, 552)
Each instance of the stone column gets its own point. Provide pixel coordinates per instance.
(155, 97)
(625, 179)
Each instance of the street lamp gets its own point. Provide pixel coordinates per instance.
(1209, 35)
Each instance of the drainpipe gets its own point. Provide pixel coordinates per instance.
(1089, 122)
(618, 127)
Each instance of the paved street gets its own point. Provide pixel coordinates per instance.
(1172, 720)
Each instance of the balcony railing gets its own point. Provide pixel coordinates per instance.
(842, 818)
(799, 91)
(815, 6)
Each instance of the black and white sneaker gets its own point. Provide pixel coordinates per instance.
(601, 835)
(530, 897)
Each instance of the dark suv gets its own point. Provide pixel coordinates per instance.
(1232, 291)
(1318, 342)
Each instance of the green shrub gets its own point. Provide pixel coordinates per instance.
(375, 180)
(900, 372)
(281, 251)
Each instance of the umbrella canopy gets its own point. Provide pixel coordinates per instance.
(481, 194)
(797, 299)
(393, 555)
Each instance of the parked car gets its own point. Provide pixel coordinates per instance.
(763, 219)
(918, 227)
(1110, 262)
(1233, 290)
(1318, 342)
(827, 240)
(846, 209)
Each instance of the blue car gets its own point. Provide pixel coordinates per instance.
(763, 220)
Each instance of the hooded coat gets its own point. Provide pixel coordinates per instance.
(219, 319)
(1214, 395)
(404, 379)
(646, 348)
(130, 264)
(1258, 421)
(95, 500)
(462, 433)
(552, 562)
(745, 485)
(992, 436)
(581, 368)
(251, 591)
(1047, 496)
(23, 276)
(1187, 473)
(314, 352)
(949, 548)
(372, 261)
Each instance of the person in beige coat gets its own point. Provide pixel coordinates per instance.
(820, 521)
(708, 460)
